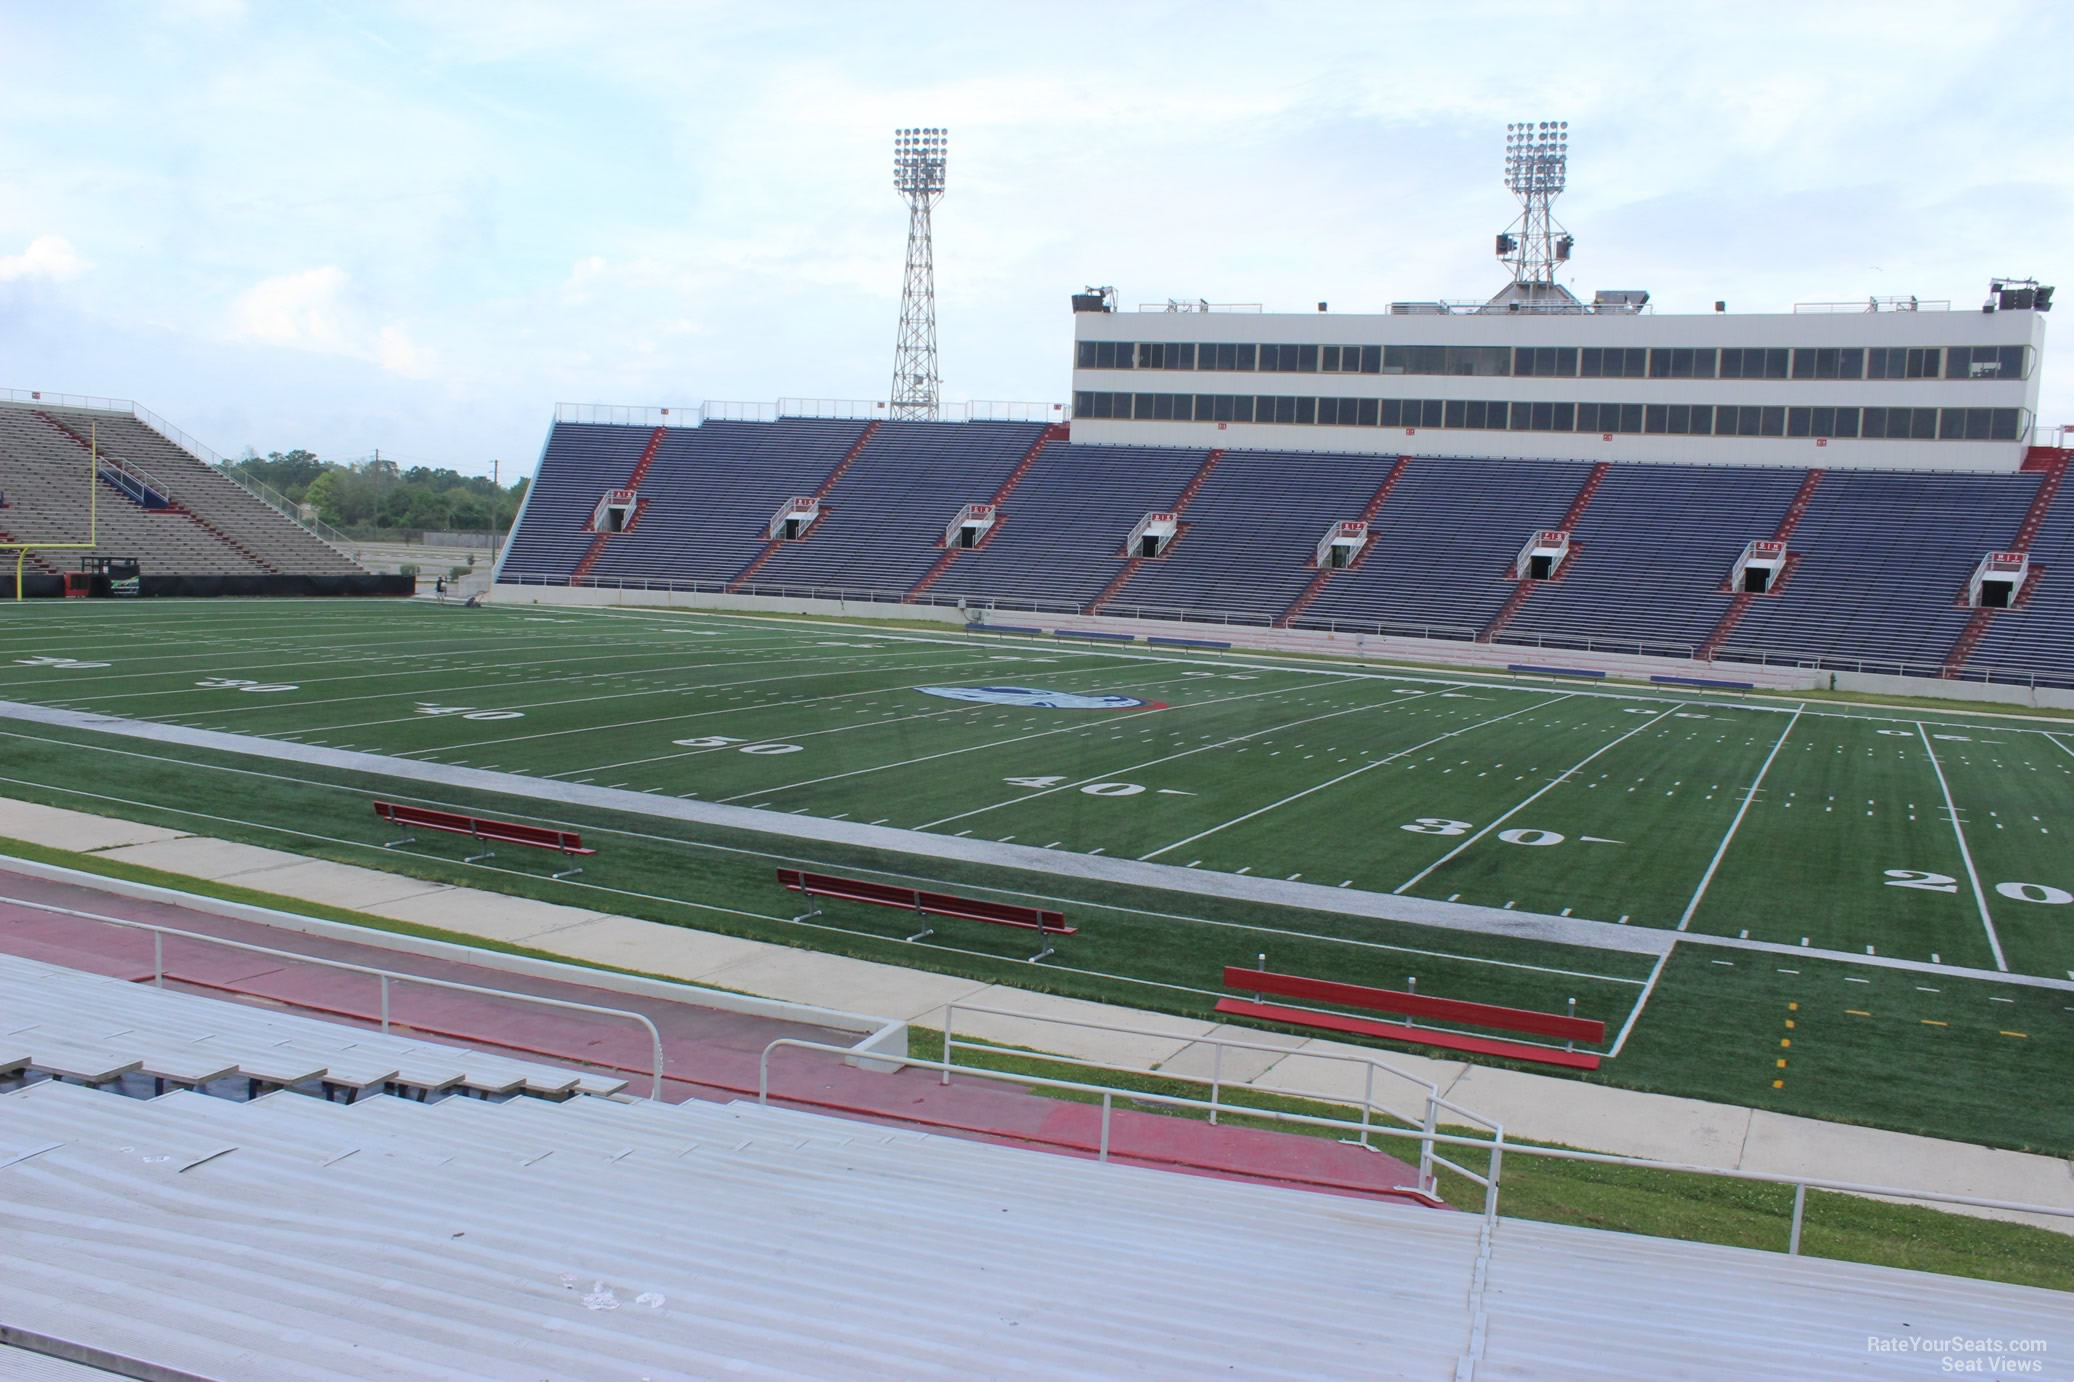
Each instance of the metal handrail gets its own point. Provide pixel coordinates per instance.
(158, 974)
(1215, 1080)
(1496, 1145)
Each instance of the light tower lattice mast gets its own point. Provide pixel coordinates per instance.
(1537, 160)
(918, 168)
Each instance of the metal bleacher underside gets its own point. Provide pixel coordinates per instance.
(291, 1237)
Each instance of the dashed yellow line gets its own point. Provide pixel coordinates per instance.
(1933, 1022)
(2025, 1035)
(1856, 1012)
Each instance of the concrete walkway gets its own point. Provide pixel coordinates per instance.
(1595, 1117)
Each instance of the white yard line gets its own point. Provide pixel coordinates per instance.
(1554, 783)
(788, 736)
(1951, 808)
(1736, 824)
(979, 748)
(1334, 782)
(2062, 747)
(1168, 758)
(1641, 1001)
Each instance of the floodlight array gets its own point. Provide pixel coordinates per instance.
(1537, 156)
(918, 159)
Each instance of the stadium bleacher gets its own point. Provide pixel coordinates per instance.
(1443, 546)
(208, 526)
(1248, 537)
(1651, 557)
(882, 525)
(1884, 560)
(2034, 638)
(296, 1236)
(1880, 560)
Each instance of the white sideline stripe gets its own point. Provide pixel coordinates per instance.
(1558, 780)
(1062, 899)
(1169, 758)
(2062, 747)
(1952, 809)
(1641, 1001)
(1048, 863)
(1736, 824)
(1334, 782)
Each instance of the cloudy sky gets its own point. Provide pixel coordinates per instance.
(345, 224)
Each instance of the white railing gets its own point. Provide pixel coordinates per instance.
(387, 976)
(1496, 1146)
(258, 489)
(830, 409)
(1877, 304)
(1426, 1121)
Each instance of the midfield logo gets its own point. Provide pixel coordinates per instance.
(1039, 699)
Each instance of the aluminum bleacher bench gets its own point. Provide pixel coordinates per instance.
(1046, 923)
(484, 830)
(1568, 1028)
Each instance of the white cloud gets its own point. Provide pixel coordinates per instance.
(48, 256)
(300, 310)
(312, 310)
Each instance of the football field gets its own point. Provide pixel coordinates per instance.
(1935, 837)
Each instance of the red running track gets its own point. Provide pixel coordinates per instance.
(708, 1053)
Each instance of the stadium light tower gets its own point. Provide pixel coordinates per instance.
(918, 167)
(1537, 160)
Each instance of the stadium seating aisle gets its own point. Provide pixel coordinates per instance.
(2037, 638)
(708, 498)
(581, 462)
(1652, 554)
(1884, 560)
(1061, 535)
(1444, 544)
(1249, 538)
(882, 525)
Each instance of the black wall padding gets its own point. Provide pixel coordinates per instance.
(38, 585)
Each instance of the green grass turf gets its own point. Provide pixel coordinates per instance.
(1262, 766)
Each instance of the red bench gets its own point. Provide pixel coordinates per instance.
(1560, 1025)
(1045, 923)
(481, 829)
